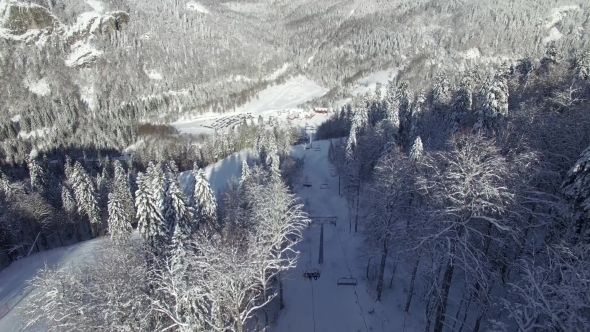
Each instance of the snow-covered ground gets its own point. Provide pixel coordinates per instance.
(197, 7)
(322, 305)
(98, 6)
(278, 101)
(13, 279)
(154, 74)
(82, 53)
(277, 73)
(41, 87)
(369, 83)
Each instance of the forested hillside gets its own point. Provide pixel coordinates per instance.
(471, 165)
(482, 187)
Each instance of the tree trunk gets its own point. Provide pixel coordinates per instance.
(485, 310)
(467, 306)
(411, 290)
(368, 264)
(458, 311)
(382, 271)
(441, 311)
(428, 307)
(281, 300)
(394, 268)
(358, 199)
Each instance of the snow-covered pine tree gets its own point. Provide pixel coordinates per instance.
(85, 193)
(577, 188)
(245, 172)
(461, 105)
(36, 174)
(5, 184)
(149, 217)
(274, 161)
(582, 65)
(404, 113)
(441, 93)
(391, 111)
(417, 149)
(177, 212)
(119, 223)
(205, 202)
(495, 106)
(68, 202)
(122, 188)
(417, 115)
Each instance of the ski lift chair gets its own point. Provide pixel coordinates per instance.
(311, 273)
(347, 282)
(324, 185)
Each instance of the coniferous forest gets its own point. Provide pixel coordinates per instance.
(471, 165)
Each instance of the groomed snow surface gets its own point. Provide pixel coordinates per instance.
(278, 101)
(322, 305)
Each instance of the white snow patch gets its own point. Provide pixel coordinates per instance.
(15, 118)
(154, 75)
(472, 53)
(88, 96)
(239, 78)
(369, 83)
(279, 102)
(277, 72)
(98, 6)
(35, 133)
(558, 13)
(85, 22)
(82, 53)
(554, 34)
(40, 87)
(310, 59)
(197, 7)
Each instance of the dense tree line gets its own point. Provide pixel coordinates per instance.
(73, 195)
(483, 187)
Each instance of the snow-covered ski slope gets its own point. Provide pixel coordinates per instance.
(14, 279)
(322, 305)
(277, 101)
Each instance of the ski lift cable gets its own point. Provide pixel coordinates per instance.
(312, 304)
(358, 301)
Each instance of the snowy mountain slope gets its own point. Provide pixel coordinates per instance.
(279, 101)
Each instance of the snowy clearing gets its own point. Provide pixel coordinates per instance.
(40, 88)
(98, 6)
(279, 102)
(472, 53)
(554, 34)
(14, 279)
(82, 54)
(369, 83)
(154, 75)
(277, 73)
(557, 14)
(197, 7)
